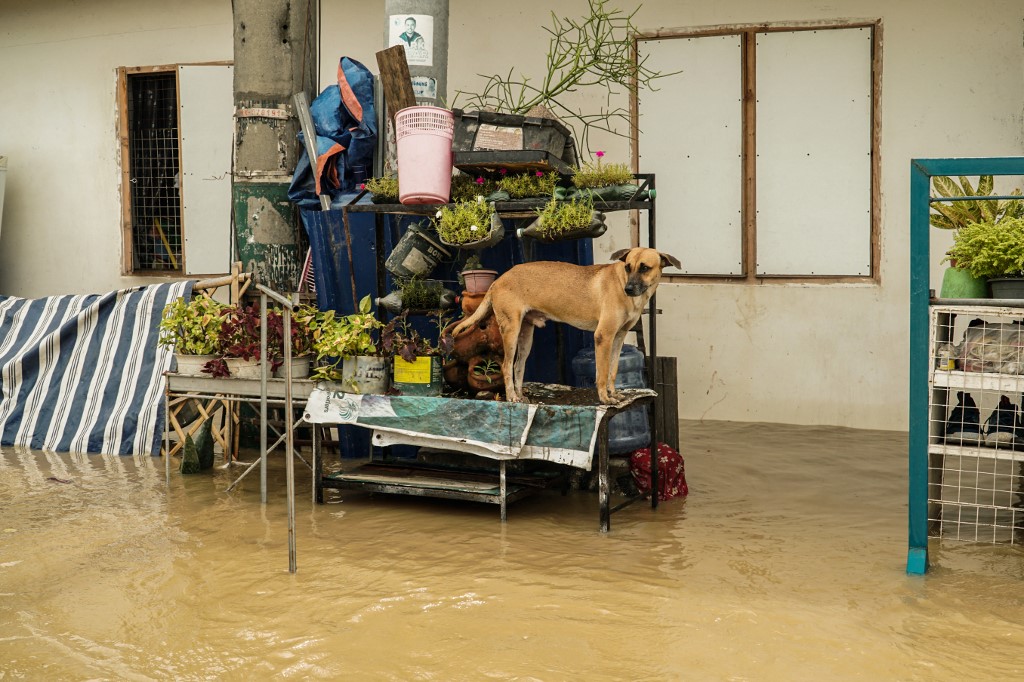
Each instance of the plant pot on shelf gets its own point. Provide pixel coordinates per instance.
(538, 231)
(422, 377)
(364, 374)
(192, 365)
(240, 368)
(416, 254)
(478, 281)
(496, 234)
(300, 367)
(959, 283)
(1007, 287)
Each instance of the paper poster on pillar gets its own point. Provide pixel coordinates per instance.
(424, 89)
(416, 33)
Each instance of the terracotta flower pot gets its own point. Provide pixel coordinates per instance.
(478, 281)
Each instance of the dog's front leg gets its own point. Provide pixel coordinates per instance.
(604, 342)
(613, 364)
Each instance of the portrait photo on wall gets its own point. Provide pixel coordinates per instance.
(416, 33)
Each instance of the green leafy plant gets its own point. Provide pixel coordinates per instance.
(594, 51)
(468, 188)
(595, 175)
(559, 217)
(532, 184)
(336, 337)
(464, 222)
(420, 294)
(193, 327)
(990, 249)
(383, 188)
(955, 215)
(472, 263)
(488, 370)
(400, 339)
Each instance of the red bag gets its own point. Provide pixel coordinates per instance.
(671, 473)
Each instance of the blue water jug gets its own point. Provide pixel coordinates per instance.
(629, 430)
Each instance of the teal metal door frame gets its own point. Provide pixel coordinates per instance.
(921, 173)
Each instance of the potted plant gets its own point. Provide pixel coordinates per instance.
(958, 282)
(301, 340)
(559, 220)
(346, 348)
(416, 362)
(240, 344)
(994, 251)
(607, 182)
(475, 278)
(192, 329)
(485, 374)
(469, 224)
(416, 293)
(384, 189)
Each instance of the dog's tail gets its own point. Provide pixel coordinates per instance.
(477, 317)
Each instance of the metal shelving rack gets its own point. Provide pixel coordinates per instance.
(520, 209)
(923, 475)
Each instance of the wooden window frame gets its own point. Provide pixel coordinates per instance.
(748, 33)
(127, 243)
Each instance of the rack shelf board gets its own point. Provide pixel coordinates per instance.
(430, 481)
(978, 381)
(977, 451)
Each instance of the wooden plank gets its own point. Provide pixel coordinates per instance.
(395, 80)
(667, 402)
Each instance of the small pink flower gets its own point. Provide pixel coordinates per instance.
(599, 154)
(503, 171)
(540, 174)
(362, 185)
(479, 181)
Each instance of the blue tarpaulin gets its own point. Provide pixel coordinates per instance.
(84, 373)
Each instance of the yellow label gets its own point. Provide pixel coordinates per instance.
(415, 372)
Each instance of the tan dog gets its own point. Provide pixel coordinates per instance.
(604, 299)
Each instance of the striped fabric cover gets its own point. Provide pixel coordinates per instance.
(85, 373)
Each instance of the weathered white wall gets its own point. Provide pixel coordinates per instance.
(952, 85)
(58, 126)
(952, 77)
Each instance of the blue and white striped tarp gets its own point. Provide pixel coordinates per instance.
(85, 373)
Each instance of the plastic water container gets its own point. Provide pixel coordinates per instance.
(424, 139)
(629, 430)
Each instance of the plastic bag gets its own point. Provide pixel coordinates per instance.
(992, 347)
(671, 472)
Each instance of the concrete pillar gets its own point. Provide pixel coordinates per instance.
(275, 57)
(422, 27)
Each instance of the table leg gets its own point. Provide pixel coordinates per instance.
(503, 488)
(318, 467)
(602, 476)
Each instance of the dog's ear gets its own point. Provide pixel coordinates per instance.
(621, 254)
(669, 260)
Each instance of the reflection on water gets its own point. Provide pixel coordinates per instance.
(786, 562)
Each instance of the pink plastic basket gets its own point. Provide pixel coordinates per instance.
(424, 139)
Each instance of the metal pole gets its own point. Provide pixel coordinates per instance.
(263, 398)
(289, 461)
(651, 230)
(289, 436)
(167, 435)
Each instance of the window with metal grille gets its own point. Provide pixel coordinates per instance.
(176, 131)
(154, 180)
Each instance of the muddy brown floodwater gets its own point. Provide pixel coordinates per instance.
(786, 562)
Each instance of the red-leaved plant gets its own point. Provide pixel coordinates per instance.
(240, 338)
